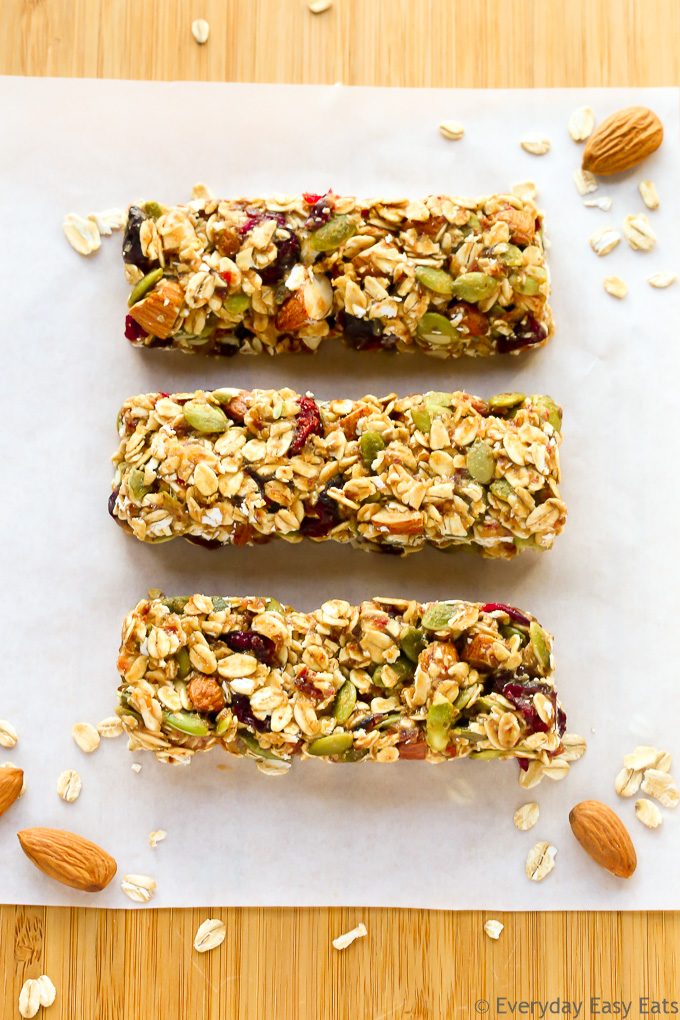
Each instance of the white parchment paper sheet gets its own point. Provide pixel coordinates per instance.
(406, 835)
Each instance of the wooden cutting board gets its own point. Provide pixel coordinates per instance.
(279, 964)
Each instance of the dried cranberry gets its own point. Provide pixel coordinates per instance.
(305, 685)
(311, 197)
(324, 515)
(112, 500)
(270, 505)
(240, 706)
(308, 423)
(133, 331)
(514, 614)
(321, 212)
(521, 695)
(207, 543)
(249, 641)
(288, 252)
(526, 334)
(523, 764)
(364, 334)
(561, 721)
(132, 244)
(254, 218)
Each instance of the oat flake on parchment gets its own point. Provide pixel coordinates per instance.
(535, 143)
(540, 861)
(69, 785)
(615, 286)
(526, 816)
(8, 735)
(139, 888)
(604, 240)
(86, 737)
(648, 813)
(81, 233)
(662, 279)
(581, 123)
(452, 130)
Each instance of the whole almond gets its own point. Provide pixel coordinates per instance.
(623, 140)
(68, 858)
(11, 782)
(604, 837)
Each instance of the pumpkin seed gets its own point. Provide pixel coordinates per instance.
(205, 417)
(186, 722)
(335, 743)
(412, 643)
(144, 285)
(437, 617)
(354, 754)
(539, 643)
(474, 287)
(344, 703)
(504, 400)
(439, 721)
(176, 604)
(501, 489)
(390, 720)
(465, 734)
(491, 753)
(334, 233)
(546, 403)
(436, 329)
(523, 543)
(153, 209)
(273, 606)
(253, 745)
(512, 256)
(465, 697)
(136, 486)
(370, 445)
(435, 279)
(480, 462)
(237, 303)
(219, 603)
(523, 284)
(421, 420)
(473, 224)
(508, 630)
(183, 663)
(223, 721)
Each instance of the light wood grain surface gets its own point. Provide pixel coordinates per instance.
(279, 964)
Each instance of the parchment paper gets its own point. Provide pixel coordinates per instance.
(406, 835)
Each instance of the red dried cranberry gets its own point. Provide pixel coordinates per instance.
(207, 543)
(361, 334)
(270, 505)
(133, 331)
(514, 614)
(304, 684)
(561, 721)
(288, 252)
(311, 197)
(112, 501)
(132, 244)
(523, 764)
(321, 211)
(323, 516)
(308, 423)
(240, 706)
(263, 648)
(521, 696)
(527, 333)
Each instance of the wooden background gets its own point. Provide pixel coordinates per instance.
(279, 964)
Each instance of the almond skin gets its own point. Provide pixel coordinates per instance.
(622, 141)
(604, 837)
(68, 858)
(11, 781)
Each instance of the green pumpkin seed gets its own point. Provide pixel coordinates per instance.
(335, 743)
(491, 753)
(227, 393)
(554, 411)
(176, 604)
(370, 445)
(136, 487)
(484, 703)
(186, 722)
(523, 543)
(421, 420)
(439, 721)
(153, 209)
(436, 329)
(183, 663)
(219, 603)
(273, 606)
(354, 754)
(505, 400)
(473, 224)
(512, 256)
(463, 733)
(480, 462)
(508, 631)
(412, 643)
(474, 287)
(344, 703)
(144, 285)
(437, 616)
(334, 233)
(253, 746)
(236, 304)
(540, 645)
(223, 721)
(523, 284)
(393, 719)
(205, 417)
(435, 279)
(465, 697)
(501, 489)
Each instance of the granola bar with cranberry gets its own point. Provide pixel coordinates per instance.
(385, 474)
(388, 679)
(449, 275)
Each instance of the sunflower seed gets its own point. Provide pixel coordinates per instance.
(526, 816)
(648, 813)
(535, 143)
(69, 785)
(581, 123)
(615, 286)
(210, 935)
(540, 861)
(604, 240)
(342, 941)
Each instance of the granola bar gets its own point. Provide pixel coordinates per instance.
(449, 275)
(388, 679)
(387, 474)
